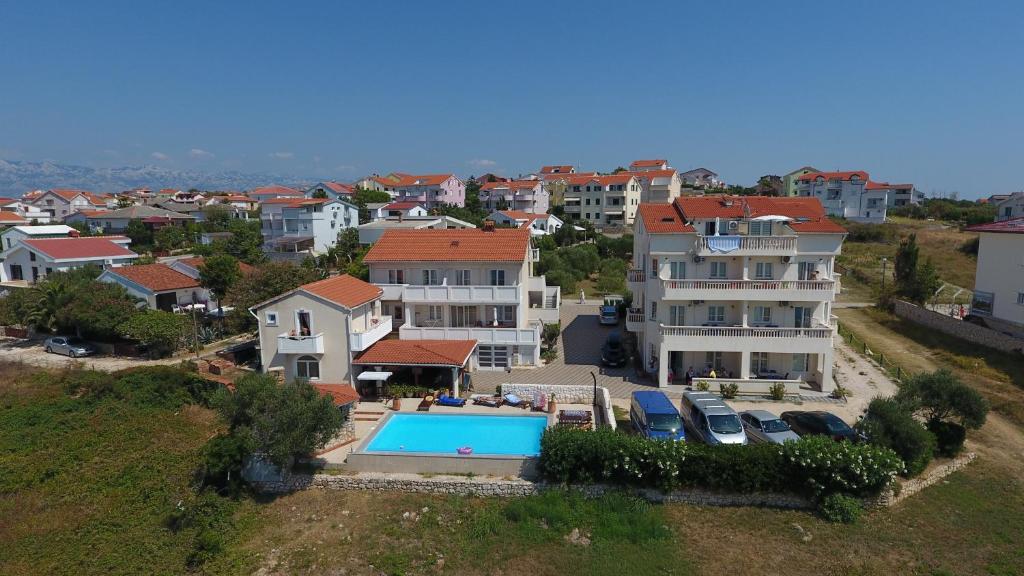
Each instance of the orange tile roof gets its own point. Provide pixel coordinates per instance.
(417, 353)
(346, 290)
(1011, 226)
(886, 186)
(834, 175)
(723, 206)
(821, 226)
(402, 179)
(401, 205)
(296, 202)
(452, 245)
(648, 163)
(277, 190)
(620, 178)
(668, 173)
(74, 248)
(663, 219)
(521, 215)
(550, 177)
(339, 188)
(197, 261)
(90, 213)
(155, 277)
(11, 218)
(556, 169)
(342, 394)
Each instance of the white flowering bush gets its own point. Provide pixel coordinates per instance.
(824, 466)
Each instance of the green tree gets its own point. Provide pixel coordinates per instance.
(888, 423)
(320, 193)
(98, 309)
(266, 281)
(278, 422)
(168, 238)
(140, 234)
(363, 196)
(218, 274)
(473, 203)
(941, 397)
(906, 265)
(161, 332)
(47, 308)
(216, 217)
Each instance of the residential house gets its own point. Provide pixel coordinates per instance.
(608, 201)
(999, 280)
(372, 231)
(8, 219)
(896, 195)
(701, 178)
(332, 190)
(742, 285)
(116, 221)
(314, 331)
(790, 182)
(429, 190)
(658, 186)
(556, 183)
(171, 287)
(30, 256)
(1010, 207)
(466, 285)
(60, 203)
(770, 185)
(645, 165)
(239, 205)
(274, 191)
(539, 224)
(520, 195)
(13, 207)
(557, 169)
(845, 195)
(402, 210)
(294, 228)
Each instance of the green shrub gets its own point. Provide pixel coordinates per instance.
(949, 437)
(163, 386)
(701, 385)
(840, 508)
(777, 391)
(728, 390)
(890, 424)
(824, 466)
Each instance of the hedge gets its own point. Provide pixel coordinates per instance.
(812, 466)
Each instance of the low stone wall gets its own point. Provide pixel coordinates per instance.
(958, 328)
(910, 487)
(564, 393)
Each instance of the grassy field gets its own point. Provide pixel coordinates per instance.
(90, 487)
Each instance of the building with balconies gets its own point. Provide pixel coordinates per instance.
(466, 284)
(740, 285)
(294, 228)
(314, 331)
(608, 201)
(429, 190)
(518, 195)
(845, 195)
(658, 186)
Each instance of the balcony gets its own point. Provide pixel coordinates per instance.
(763, 290)
(483, 335)
(746, 246)
(287, 344)
(748, 339)
(635, 320)
(415, 294)
(636, 276)
(379, 328)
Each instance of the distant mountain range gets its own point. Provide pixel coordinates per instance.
(18, 177)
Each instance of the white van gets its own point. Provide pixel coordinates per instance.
(711, 419)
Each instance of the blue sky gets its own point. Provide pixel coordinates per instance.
(911, 91)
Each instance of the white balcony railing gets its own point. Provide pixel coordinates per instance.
(825, 285)
(360, 340)
(747, 245)
(483, 335)
(288, 344)
(782, 290)
(746, 332)
(469, 294)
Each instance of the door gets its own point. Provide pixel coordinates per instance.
(16, 273)
(806, 270)
(493, 356)
(166, 301)
(803, 317)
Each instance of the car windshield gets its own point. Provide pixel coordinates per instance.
(664, 422)
(771, 426)
(836, 425)
(725, 424)
(613, 345)
(608, 311)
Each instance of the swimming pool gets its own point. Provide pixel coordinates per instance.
(446, 433)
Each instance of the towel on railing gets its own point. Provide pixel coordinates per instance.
(724, 244)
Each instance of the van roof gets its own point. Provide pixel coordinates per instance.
(654, 402)
(708, 403)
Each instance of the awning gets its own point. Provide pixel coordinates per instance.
(288, 240)
(381, 376)
(771, 218)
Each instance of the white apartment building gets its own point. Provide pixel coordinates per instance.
(606, 201)
(741, 285)
(897, 195)
(999, 281)
(296, 227)
(466, 285)
(658, 186)
(518, 195)
(845, 195)
(1010, 207)
(702, 178)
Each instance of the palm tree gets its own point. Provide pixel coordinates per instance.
(52, 298)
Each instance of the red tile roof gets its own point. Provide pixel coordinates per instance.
(342, 394)
(819, 226)
(886, 186)
(11, 218)
(339, 188)
(556, 169)
(653, 173)
(834, 175)
(90, 213)
(663, 219)
(155, 277)
(401, 205)
(296, 202)
(521, 215)
(648, 163)
(620, 178)
(417, 353)
(703, 207)
(551, 177)
(79, 248)
(277, 191)
(197, 261)
(346, 290)
(402, 179)
(452, 245)
(1012, 226)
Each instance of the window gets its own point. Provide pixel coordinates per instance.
(799, 363)
(654, 267)
(654, 311)
(677, 270)
(763, 271)
(304, 322)
(497, 277)
(435, 313)
(716, 314)
(32, 256)
(760, 228)
(588, 213)
(307, 367)
(714, 360)
(759, 362)
(597, 201)
(762, 315)
(271, 318)
(675, 315)
(718, 270)
(396, 276)
(462, 278)
(588, 199)
(505, 314)
(430, 278)
(463, 316)
(806, 270)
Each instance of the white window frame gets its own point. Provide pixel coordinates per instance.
(677, 315)
(496, 276)
(762, 315)
(435, 312)
(305, 362)
(718, 318)
(298, 325)
(396, 276)
(759, 228)
(759, 362)
(463, 277)
(676, 270)
(430, 277)
(718, 270)
(271, 317)
(715, 360)
(803, 317)
(763, 271)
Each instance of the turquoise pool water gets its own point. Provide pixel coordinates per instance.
(445, 433)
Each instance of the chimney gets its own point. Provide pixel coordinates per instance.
(488, 225)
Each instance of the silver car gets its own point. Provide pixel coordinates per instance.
(763, 426)
(69, 346)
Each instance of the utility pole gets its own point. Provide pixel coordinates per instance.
(884, 260)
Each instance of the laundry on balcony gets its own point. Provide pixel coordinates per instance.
(724, 244)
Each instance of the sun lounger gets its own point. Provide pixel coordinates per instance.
(575, 418)
(513, 400)
(485, 400)
(425, 405)
(446, 400)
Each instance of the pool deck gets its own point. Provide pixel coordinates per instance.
(368, 416)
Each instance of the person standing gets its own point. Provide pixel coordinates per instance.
(689, 376)
(583, 298)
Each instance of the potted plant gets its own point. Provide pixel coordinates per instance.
(551, 405)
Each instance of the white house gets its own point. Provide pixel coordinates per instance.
(702, 178)
(606, 201)
(999, 280)
(658, 186)
(28, 256)
(742, 285)
(296, 227)
(116, 221)
(845, 195)
(332, 190)
(1010, 207)
(519, 195)
(11, 209)
(897, 195)
(162, 287)
(466, 285)
(648, 165)
(60, 203)
(539, 224)
(402, 210)
(372, 231)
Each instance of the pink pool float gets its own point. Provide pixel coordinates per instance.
(465, 450)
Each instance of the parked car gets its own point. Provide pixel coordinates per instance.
(711, 419)
(69, 346)
(609, 315)
(818, 422)
(763, 426)
(654, 416)
(613, 351)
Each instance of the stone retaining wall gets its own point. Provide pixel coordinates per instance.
(958, 328)
(564, 393)
(910, 487)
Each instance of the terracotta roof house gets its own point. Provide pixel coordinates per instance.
(847, 194)
(31, 255)
(274, 191)
(558, 169)
(296, 227)
(60, 203)
(116, 221)
(644, 165)
(330, 189)
(160, 286)
(429, 190)
(522, 195)
(606, 201)
(539, 224)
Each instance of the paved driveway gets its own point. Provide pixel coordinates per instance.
(579, 354)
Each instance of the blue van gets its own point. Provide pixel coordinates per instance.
(654, 416)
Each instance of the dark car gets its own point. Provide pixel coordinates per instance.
(818, 422)
(613, 352)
